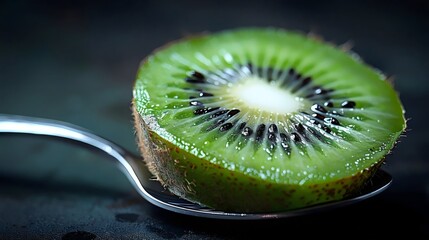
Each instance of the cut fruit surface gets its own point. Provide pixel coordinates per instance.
(273, 114)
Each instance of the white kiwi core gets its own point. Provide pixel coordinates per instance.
(258, 94)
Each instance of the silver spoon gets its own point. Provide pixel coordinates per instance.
(134, 168)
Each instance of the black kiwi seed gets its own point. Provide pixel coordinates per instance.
(336, 113)
(283, 137)
(270, 74)
(272, 128)
(205, 110)
(328, 104)
(196, 103)
(302, 130)
(219, 113)
(295, 137)
(250, 67)
(259, 71)
(285, 142)
(318, 116)
(205, 94)
(324, 128)
(196, 77)
(318, 108)
(247, 131)
(299, 128)
(226, 126)
(272, 132)
(260, 132)
(348, 104)
(305, 81)
(272, 137)
(192, 80)
(232, 112)
(320, 91)
(332, 120)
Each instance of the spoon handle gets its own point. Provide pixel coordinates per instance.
(131, 165)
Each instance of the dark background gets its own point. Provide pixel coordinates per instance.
(76, 61)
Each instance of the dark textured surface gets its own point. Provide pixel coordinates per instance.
(77, 62)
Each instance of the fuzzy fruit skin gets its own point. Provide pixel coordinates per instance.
(200, 181)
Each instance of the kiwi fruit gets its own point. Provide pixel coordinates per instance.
(263, 119)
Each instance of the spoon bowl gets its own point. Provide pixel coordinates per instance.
(144, 182)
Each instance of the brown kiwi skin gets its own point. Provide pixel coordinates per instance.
(213, 186)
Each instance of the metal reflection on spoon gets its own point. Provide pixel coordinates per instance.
(152, 191)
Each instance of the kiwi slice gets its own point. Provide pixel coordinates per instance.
(263, 119)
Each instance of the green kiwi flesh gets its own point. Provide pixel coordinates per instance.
(263, 119)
